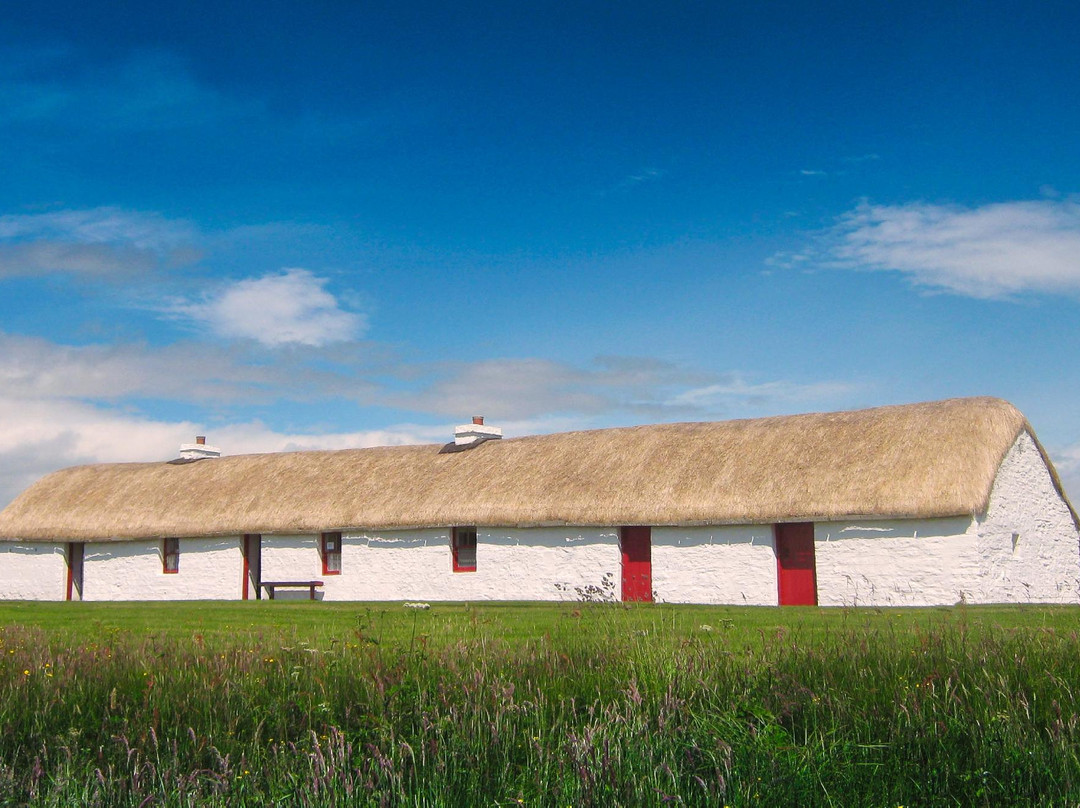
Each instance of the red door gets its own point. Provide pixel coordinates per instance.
(795, 570)
(636, 563)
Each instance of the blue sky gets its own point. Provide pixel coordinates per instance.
(290, 225)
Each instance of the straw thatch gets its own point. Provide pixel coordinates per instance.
(918, 460)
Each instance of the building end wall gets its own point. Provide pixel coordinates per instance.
(1028, 546)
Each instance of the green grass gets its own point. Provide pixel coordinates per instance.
(299, 703)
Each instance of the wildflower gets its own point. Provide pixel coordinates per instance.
(26, 673)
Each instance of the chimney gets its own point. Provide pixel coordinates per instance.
(475, 432)
(198, 450)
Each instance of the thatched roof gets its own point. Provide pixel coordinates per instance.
(919, 460)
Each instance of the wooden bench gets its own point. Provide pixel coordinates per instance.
(270, 586)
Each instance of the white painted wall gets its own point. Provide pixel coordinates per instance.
(33, 571)
(511, 564)
(1027, 543)
(897, 562)
(132, 570)
(732, 564)
(942, 561)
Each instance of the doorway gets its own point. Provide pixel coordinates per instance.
(796, 570)
(75, 554)
(252, 546)
(636, 545)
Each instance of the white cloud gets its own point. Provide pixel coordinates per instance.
(992, 251)
(101, 242)
(288, 308)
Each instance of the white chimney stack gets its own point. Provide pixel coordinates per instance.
(476, 431)
(198, 450)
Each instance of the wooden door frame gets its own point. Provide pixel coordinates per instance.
(246, 543)
(69, 554)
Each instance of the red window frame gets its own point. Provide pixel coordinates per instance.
(170, 556)
(463, 549)
(330, 550)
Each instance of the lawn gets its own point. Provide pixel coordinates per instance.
(300, 703)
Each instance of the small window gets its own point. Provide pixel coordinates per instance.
(464, 549)
(331, 553)
(170, 555)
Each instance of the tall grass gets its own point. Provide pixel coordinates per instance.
(547, 706)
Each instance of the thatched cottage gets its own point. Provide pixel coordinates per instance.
(918, 504)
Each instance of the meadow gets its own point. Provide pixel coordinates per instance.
(298, 703)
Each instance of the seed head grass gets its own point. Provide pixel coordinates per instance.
(313, 704)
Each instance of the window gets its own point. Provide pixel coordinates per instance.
(331, 553)
(463, 543)
(170, 555)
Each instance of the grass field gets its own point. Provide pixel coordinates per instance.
(549, 705)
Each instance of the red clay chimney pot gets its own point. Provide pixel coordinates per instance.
(200, 439)
(478, 420)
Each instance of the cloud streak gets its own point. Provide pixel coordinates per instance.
(197, 373)
(105, 243)
(735, 388)
(145, 91)
(638, 387)
(993, 251)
